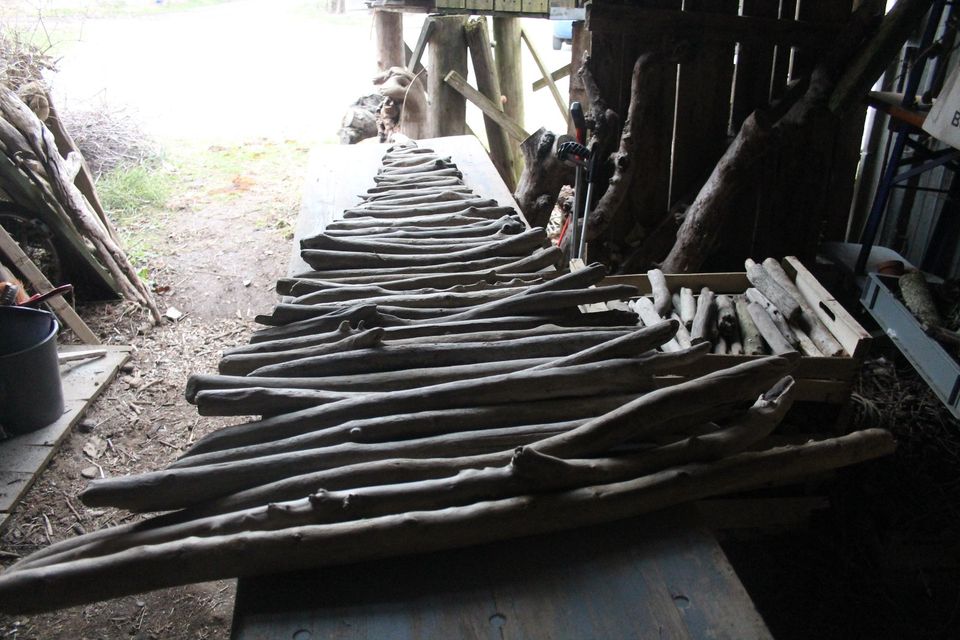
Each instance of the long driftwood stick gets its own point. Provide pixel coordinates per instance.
(389, 356)
(468, 486)
(264, 437)
(301, 286)
(665, 410)
(201, 559)
(541, 259)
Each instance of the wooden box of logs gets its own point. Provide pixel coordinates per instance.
(773, 307)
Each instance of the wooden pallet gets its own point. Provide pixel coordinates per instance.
(24, 456)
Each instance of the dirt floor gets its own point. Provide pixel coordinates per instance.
(214, 255)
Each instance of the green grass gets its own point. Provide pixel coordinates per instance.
(127, 191)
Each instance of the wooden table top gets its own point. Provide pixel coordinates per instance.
(662, 575)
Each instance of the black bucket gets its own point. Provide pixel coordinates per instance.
(31, 396)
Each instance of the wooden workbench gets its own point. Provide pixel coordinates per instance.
(658, 576)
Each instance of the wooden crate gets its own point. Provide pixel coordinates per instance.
(819, 379)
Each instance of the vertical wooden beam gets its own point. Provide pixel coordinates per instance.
(580, 45)
(754, 67)
(388, 31)
(704, 83)
(650, 195)
(446, 52)
(506, 36)
(485, 70)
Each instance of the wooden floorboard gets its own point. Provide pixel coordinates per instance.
(24, 456)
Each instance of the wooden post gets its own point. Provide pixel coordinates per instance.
(506, 35)
(388, 29)
(446, 52)
(581, 45)
(484, 67)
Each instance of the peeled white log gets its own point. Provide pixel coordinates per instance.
(662, 301)
(704, 320)
(751, 342)
(648, 315)
(765, 284)
(754, 295)
(768, 330)
(688, 306)
(726, 317)
(818, 332)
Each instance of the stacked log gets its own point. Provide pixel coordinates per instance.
(435, 403)
(35, 173)
(771, 318)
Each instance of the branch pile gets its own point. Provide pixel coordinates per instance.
(34, 173)
(431, 384)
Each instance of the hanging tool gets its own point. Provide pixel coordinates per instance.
(579, 156)
(587, 205)
(580, 130)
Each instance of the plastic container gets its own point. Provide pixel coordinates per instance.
(31, 396)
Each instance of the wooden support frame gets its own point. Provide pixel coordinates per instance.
(447, 52)
(556, 74)
(39, 282)
(486, 105)
(561, 103)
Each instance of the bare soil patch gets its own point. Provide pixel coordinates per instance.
(213, 254)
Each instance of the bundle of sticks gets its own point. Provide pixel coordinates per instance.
(431, 404)
(771, 317)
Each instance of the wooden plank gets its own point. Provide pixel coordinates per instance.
(413, 61)
(24, 456)
(556, 74)
(22, 262)
(703, 107)
(486, 105)
(13, 484)
(508, 6)
(672, 26)
(662, 575)
(852, 337)
(561, 103)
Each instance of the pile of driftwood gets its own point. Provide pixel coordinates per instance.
(42, 170)
(431, 384)
(771, 317)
